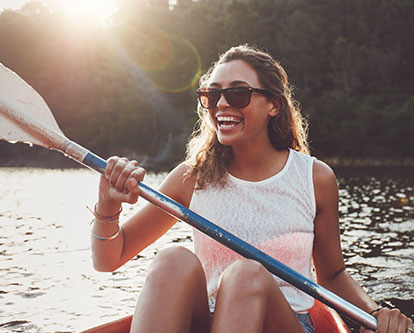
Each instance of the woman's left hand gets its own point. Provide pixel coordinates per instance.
(391, 321)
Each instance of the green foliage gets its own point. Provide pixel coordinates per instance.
(129, 88)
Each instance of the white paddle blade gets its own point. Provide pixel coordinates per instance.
(22, 109)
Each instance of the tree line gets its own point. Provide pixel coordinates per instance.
(128, 88)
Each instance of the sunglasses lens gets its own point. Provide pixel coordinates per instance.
(209, 99)
(238, 98)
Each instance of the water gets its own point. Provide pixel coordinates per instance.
(377, 232)
(48, 283)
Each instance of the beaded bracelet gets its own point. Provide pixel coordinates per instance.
(102, 217)
(105, 238)
(114, 220)
(105, 219)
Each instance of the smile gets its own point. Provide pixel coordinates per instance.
(228, 121)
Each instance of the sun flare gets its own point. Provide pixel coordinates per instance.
(88, 10)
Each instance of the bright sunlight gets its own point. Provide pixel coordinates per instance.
(87, 10)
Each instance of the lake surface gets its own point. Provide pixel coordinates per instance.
(48, 283)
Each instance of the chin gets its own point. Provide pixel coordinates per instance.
(225, 140)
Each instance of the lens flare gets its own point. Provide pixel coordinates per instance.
(147, 46)
(172, 63)
(183, 70)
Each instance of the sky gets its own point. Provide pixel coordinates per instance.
(92, 10)
(12, 4)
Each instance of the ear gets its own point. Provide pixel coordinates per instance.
(275, 108)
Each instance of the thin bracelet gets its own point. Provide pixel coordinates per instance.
(99, 216)
(105, 219)
(105, 238)
(376, 310)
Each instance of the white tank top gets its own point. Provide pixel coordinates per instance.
(275, 215)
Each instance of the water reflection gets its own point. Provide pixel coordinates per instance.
(377, 228)
(48, 283)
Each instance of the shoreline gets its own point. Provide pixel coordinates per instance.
(345, 162)
(61, 162)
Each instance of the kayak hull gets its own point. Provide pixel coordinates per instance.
(325, 320)
(122, 325)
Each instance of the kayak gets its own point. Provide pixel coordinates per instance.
(117, 326)
(325, 319)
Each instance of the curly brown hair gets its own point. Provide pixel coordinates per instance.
(207, 158)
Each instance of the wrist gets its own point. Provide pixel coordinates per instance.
(107, 209)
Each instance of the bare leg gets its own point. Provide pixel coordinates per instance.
(249, 300)
(174, 296)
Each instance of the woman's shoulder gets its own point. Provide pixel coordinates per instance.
(322, 172)
(325, 184)
(178, 185)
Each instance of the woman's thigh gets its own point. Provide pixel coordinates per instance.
(174, 296)
(250, 300)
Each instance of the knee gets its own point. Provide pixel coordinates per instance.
(247, 276)
(175, 262)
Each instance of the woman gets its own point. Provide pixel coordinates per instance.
(247, 170)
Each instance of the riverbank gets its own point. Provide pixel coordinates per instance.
(37, 157)
(58, 161)
(21, 155)
(344, 162)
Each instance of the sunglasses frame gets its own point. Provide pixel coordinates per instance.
(203, 92)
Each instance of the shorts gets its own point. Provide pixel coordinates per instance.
(306, 321)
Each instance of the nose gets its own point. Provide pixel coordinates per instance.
(222, 102)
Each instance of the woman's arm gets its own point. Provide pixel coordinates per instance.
(327, 253)
(120, 184)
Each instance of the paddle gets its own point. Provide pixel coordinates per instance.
(25, 117)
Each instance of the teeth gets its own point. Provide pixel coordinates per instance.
(228, 121)
(228, 118)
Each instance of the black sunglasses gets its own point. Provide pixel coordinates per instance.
(237, 97)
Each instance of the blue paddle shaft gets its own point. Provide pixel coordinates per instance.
(236, 244)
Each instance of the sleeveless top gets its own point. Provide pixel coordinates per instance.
(275, 215)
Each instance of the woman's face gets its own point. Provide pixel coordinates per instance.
(240, 125)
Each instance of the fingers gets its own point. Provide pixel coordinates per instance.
(123, 177)
(115, 172)
(398, 321)
(392, 320)
(135, 176)
(410, 326)
(121, 173)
